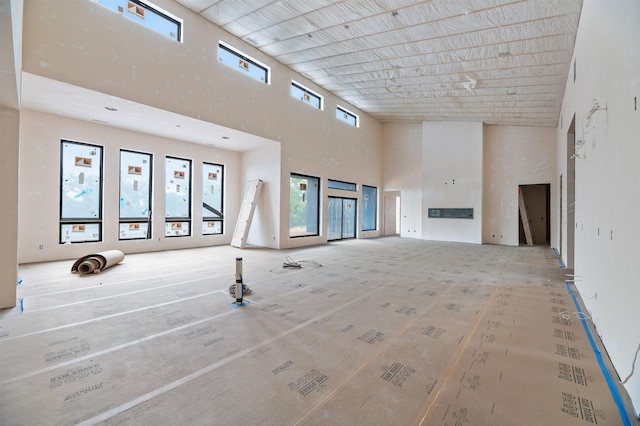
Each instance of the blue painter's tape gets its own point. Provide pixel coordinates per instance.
(244, 302)
(612, 387)
(19, 281)
(562, 265)
(22, 304)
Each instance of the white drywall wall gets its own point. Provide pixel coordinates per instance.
(607, 57)
(10, 65)
(402, 171)
(10, 52)
(9, 135)
(127, 60)
(511, 156)
(514, 156)
(452, 178)
(263, 164)
(39, 199)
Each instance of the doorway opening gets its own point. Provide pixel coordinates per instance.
(570, 200)
(392, 213)
(535, 211)
(341, 218)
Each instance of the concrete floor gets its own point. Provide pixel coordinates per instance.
(382, 331)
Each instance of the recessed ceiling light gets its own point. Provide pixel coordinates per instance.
(108, 108)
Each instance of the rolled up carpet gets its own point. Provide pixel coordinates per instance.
(94, 263)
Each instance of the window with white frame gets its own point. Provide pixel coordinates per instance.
(347, 116)
(306, 95)
(149, 15)
(235, 59)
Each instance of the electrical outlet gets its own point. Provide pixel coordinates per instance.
(40, 246)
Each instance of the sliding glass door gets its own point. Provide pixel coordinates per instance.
(341, 218)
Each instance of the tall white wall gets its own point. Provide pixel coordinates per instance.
(10, 65)
(87, 45)
(489, 163)
(422, 161)
(514, 156)
(39, 199)
(607, 57)
(9, 135)
(328, 150)
(263, 164)
(452, 178)
(402, 171)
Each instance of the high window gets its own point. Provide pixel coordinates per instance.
(369, 208)
(177, 197)
(337, 184)
(304, 201)
(347, 116)
(80, 192)
(244, 63)
(212, 198)
(149, 15)
(306, 95)
(135, 195)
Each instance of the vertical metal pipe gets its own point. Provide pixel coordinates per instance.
(239, 285)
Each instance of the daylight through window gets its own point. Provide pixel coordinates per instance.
(177, 197)
(149, 15)
(80, 192)
(369, 208)
(135, 195)
(304, 201)
(212, 198)
(347, 116)
(337, 184)
(306, 95)
(241, 62)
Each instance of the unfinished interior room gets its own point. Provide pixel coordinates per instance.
(319, 212)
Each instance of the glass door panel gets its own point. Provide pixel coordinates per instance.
(341, 218)
(334, 219)
(348, 218)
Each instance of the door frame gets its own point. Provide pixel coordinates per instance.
(392, 213)
(355, 221)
